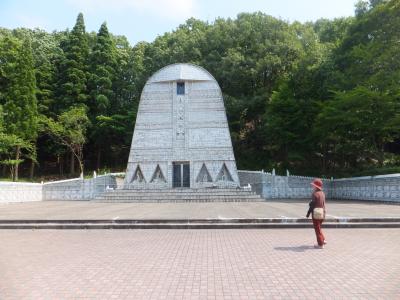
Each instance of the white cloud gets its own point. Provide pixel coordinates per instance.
(169, 9)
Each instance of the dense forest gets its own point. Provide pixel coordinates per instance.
(317, 98)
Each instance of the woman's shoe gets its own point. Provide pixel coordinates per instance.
(319, 247)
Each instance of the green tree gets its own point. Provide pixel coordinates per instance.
(72, 73)
(369, 52)
(18, 98)
(102, 72)
(72, 68)
(102, 75)
(70, 131)
(354, 127)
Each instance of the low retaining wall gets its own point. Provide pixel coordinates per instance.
(20, 192)
(77, 189)
(271, 186)
(72, 189)
(379, 188)
(376, 188)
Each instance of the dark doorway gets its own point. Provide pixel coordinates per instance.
(181, 174)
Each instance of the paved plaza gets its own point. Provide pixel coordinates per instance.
(199, 264)
(87, 210)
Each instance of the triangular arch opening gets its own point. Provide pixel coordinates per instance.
(224, 174)
(158, 176)
(204, 175)
(138, 176)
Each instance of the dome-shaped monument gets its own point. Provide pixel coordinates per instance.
(181, 137)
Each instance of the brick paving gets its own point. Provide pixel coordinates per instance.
(81, 210)
(199, 264)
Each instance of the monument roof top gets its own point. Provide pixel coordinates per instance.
(181, 71)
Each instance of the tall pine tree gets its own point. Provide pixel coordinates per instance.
(102, 72)
(18, 98)
(72, 68)
(72, 72)
(102, 75)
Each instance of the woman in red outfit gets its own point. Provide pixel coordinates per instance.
(318, 201)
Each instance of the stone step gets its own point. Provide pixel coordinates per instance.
(127, 196)
(178, 195)
(176, 200)
(158, 199)
(342, 220)
(178, 192)
(180, 200)
(188, 224)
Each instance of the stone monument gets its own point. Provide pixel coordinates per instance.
(181, 137)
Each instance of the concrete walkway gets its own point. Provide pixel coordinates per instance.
(85, 210)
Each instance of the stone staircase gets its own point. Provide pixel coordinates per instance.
(178, 195)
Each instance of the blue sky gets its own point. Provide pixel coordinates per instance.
(145, 19)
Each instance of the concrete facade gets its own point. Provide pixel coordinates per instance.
(181, 119)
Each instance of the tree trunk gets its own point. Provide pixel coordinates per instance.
(4, 171)
(12, 167)
(381, 156)
(80, 167)
(80, 159)
(72, 166)
(17, 155)
(60, 162)
(98, 159)
(32, 170)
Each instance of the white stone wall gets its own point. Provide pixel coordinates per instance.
(72, 189)
(20, 192)
(376, 188)
(382, 188)
(181, 128)
(271, 186)
(77, 189)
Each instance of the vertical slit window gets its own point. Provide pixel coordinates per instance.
(180, 88)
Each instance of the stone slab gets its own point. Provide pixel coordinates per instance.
(199, 264)
(87, 210)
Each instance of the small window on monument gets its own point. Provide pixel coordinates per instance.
(180, 88)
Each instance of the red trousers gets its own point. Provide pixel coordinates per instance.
(318, 231)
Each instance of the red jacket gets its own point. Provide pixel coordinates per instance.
(318, 200)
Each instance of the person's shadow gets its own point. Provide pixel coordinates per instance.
(301, 248)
